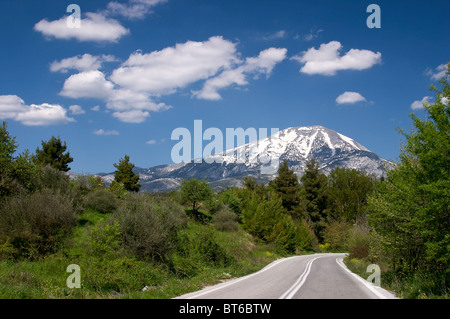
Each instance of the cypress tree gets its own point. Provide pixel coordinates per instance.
(314, 197)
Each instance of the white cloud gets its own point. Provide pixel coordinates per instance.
(327, 59)
(94, 27)
(13, 107)
(438, 73)
(130, 90)
(95, 108)
(132, 116)
(103, 132)
(134, 9)
(417, 105)
(262, 64)
(82, 63)
(162, 72)
(276, 35)
(350, 98)
(89, 84)
(76, 109)
(151, 142)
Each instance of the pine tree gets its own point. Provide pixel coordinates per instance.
(288, 188)
(314, 197)
(53, 154)
(125, 175)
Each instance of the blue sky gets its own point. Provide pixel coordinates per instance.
(138, 69)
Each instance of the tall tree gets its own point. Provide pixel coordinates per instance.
(288, 188)
(195, 192)
(53, 154)
(347, 193)
(124, 174)
(314, 197)
(16, 172)
(411, 209)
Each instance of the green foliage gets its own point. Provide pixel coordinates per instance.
(17, 173)
(102, 200)
(36, 224)
(197, 247)
(288, 188)
(230, 198)
(194, 191)
(410, 210)
(53, 154)
(347, 193)
(149, 225)
(314, 197)
(337, 235)
(118, 189)
(225, 220)
(124, 174)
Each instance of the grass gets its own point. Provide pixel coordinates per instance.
(418, 285)
(119, 275)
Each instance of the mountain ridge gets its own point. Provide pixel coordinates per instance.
(261, 158)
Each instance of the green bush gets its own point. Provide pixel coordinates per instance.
(102, 200)
(197, 247)
(337, 235)
(36, 224)
(225, 220)
(359, 242)
(149, 225)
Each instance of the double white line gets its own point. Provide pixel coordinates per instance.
(299, 283)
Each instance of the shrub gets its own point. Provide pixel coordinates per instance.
(336, 235)
(35, 224)
(225, 220)
(198, 247)
(359, 242)
(102, 200)
(149, 225)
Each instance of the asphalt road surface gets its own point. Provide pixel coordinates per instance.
(318, 276)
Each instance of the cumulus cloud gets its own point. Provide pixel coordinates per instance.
(131, 89)
(94, 27)
(350, 98)
(103, 132)
(89, 84)
(327, 59)
(13, 107)
(151, 142)
(418, 105)
(132, 116)
(82, 63)
(162, 72)
(262, 64)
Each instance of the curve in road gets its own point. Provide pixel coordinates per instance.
(318, 276)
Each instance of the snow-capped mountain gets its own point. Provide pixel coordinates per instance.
(261, 159)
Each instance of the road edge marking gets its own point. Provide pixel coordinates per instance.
(369, 285)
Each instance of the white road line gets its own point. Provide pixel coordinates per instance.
(239, 280)
(367, 284)
(299, 283)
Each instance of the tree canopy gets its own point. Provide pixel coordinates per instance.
(53, 154)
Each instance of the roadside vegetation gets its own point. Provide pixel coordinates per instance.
(131, 244)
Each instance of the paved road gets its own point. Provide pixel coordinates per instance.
(317, 276)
